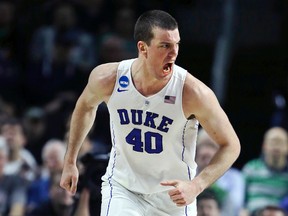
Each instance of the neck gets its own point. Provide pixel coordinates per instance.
(144, 79)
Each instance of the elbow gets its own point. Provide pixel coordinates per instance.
(237, 148)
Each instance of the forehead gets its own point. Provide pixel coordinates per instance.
(163, 35)
(276, 134)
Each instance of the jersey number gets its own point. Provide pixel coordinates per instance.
(152, 141)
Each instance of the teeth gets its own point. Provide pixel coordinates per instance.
(166, 69)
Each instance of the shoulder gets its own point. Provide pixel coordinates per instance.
(104, 72)
(253, 165)
(195, 87)
(102, 78)
(196, 95)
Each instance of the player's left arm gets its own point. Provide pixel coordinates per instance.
(199, 100)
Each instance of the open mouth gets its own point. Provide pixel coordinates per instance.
(167, 68)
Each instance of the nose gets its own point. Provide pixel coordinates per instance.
(174, 50)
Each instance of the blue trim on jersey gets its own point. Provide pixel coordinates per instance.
(110, 177)
(186, 210)
(188, 168)
(183, 144)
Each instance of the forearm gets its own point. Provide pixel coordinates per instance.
(220, 163)
(81, 122)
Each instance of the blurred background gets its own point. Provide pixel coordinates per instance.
(48, 48)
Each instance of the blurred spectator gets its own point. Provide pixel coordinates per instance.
(35, 126)
(92, 167)
(267, 176)
(12, 190)
(65, 30)
(53, 158)
(6, 110)
(284, 203)
(231, 186)
(279, 116)
(58, 112)
(93, 15)
(39, 123)
(20, 161)
(124, 28)
(82, 207)
(208, 204)
(59, 202)
(271, 210)
(119, 44)
(10, 76)
(62, 56)
(7, 28)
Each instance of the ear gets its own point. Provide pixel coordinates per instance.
(142, 47)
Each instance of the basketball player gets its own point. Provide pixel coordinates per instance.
(155, 107)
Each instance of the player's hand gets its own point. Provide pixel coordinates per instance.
(183, 193)
(69, 178)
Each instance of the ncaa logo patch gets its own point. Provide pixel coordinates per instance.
(124, 81)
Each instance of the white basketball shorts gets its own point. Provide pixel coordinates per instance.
(118, 201)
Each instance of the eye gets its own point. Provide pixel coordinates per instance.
(165, 46)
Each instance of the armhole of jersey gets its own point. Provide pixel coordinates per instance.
(182, 90)
(122, 66)
(115, 84)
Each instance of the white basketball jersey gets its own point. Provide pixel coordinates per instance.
(152, 141)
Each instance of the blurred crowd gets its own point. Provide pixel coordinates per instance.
(259, 188)
(47, 50)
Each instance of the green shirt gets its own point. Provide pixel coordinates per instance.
(264, 186)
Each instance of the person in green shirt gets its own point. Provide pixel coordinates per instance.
(267, 176)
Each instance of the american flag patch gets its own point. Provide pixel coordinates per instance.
(169, 99)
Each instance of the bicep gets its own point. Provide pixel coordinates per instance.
(99, 87)
(214, 120)
(201, 101)
(90, 97)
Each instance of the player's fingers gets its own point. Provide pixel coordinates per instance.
(64, 184)
(169, 183)
(174, 192)
(73, 186)
(178, 200)
(176, 197)
(181, 203)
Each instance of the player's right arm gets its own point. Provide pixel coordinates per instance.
(98, 89)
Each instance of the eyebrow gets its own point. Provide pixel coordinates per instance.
(168, 43)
